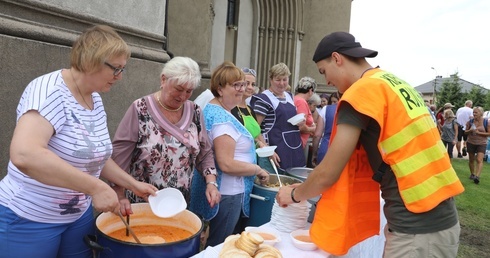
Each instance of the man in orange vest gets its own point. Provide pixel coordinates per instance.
(384, 139)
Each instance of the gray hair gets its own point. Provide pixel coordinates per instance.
(314, 99)
(305, 84)
(182, 70)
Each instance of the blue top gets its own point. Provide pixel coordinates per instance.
(214, 114)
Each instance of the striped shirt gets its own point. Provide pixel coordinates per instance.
(81, 139)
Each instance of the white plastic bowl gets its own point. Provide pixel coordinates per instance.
(270, 237)
(167, 203)
(266, 151)
(303, 245)
(296, 119)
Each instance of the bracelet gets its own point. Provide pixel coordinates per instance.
(212, 183)
(292, 196)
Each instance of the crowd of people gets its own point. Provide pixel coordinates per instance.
(208, 152)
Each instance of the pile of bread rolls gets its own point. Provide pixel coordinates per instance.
(247, 245)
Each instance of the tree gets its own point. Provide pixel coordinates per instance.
(450, 91)
(477, 96)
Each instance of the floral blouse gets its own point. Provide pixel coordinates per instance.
(155, 151)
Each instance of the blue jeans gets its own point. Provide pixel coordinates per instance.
(223, 224)
(20, 237)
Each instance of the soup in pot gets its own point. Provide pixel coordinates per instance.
(152, 234)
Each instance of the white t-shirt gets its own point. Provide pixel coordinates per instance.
(81, 139)
(463, 115)
(232, 185)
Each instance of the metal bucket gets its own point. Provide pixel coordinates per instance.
(299, 172)
(263, 198)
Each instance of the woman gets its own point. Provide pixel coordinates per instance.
(476, 143)
(246, 115)
(273, 108)
(449, 131)
(324, 100)
(161, 139)
(313, 103)
(305, 89)
(52, 184)
(234, 151)
(324, 129)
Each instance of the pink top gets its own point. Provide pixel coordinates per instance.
(302, 107)
(153, 150)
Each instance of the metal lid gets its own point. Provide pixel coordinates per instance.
(299, 172)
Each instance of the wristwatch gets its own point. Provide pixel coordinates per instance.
(212, 183)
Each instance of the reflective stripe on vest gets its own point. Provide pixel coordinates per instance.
(411, 146)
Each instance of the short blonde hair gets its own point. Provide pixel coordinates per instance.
(225, 73)
(448, 113)
(95, 46)
(280, 69)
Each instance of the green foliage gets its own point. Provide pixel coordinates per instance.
(477, 96)
(450, 91)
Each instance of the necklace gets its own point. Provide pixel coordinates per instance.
(79, 92)
(221, 103)
(166, 108)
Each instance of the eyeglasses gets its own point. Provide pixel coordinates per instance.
(239, 85)
(250, 71)
(117, 71)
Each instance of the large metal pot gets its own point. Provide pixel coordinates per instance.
(263, 199)
(107, 246)
(303, 173)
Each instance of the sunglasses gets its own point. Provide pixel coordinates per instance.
(250, 71)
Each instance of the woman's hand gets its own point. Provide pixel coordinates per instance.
(276, 159)
(125, 207)
(143, 190)
(104, 198)
(263, 176)
(213, 195)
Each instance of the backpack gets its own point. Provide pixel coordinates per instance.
(485, 123)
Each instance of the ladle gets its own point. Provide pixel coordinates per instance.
(128, 227)
(275, 170)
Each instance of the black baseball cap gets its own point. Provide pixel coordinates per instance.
(343, 43)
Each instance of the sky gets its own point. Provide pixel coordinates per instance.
(419, 39)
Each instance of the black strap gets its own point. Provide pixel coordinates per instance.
(378, 175)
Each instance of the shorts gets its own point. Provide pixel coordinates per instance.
(472, 148)
(461, 134)
(442, 243)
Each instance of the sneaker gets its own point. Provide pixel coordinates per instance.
(472, 177)
(476, 180)
(459, 155)
(464, 151)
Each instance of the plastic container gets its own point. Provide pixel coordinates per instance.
(167, 203)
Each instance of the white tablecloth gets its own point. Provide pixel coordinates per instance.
(369, 248)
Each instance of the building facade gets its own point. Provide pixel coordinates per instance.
(36, 36)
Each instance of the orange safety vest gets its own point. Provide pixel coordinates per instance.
(409, 142)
